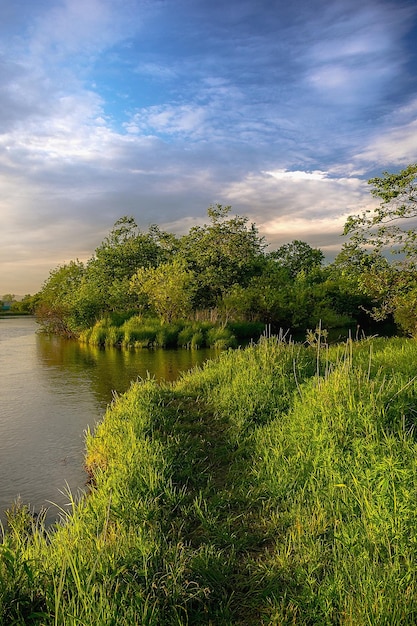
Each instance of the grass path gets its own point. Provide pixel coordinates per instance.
(214, 520)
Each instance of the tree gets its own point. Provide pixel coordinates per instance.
(345, 282)
(9, 298)
(386, 226)
(55, 301)
(169, 289)
(225, 252)
(297, 256)
(115, 261)
(391, 226)
(26, 305)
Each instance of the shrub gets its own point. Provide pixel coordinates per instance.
(185, 336)
(246, 330)
(98, 333)
(138, 333)
(167, 336)
(114, 336)
(197, 341)
(221, 338)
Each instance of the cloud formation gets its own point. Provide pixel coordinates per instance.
(157, 110)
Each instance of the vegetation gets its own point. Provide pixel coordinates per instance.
(146, 332)
(276, 485)
(391, 286)
(11, 305)
(219, 272)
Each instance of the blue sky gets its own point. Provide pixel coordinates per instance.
(159, 108)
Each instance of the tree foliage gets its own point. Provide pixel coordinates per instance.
(297, 256)
(388, 226)
(115, 261)
(391, 227)
(56, 300)
(221, 271)
(225, 252)
(168, 288)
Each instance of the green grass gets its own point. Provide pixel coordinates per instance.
(142, 332)
(275, 485)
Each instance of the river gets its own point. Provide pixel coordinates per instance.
(51, 389)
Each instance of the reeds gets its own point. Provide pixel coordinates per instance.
(142, 332)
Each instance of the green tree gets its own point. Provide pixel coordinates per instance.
(388, 225)
(55, 301)
(346, 280)
(226, 252)
(9, 298)
(168, 288)
(297, 256)
(26, 305)
(114, 263)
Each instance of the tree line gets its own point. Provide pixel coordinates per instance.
(223, 271)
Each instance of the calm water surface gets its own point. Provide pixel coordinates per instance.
(51, 389)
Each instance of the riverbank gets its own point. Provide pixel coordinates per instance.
(275, 485)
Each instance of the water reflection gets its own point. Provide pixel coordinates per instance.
(51, 390)
(112, 369)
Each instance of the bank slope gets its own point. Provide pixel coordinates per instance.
(273, 486)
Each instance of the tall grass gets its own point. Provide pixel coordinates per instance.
(275, 485)
(142, 332)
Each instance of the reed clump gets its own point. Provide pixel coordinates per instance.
(145, 332)
(275, 485)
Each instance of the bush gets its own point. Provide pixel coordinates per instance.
(114, 336)
(167, 336)
(98, 335)
(246, 330)
(221, 338)
(197, 340)
(185, 336)
(139, 334)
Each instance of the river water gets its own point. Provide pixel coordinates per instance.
(51, 389)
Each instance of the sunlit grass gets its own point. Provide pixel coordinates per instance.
(143, 332)
(275, 485)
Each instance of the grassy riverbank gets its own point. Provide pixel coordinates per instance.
(274, 486)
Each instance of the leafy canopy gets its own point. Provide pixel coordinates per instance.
(296, 257)
(392, 223)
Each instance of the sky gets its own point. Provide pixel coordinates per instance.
(158, 109)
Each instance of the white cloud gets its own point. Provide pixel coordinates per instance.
(312, 206)
(297, 175)
(157, 71)
(184, 119)
(357, 52)
(82, 27)
(396, 141)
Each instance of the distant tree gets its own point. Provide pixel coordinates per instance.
(9, 298)
(352, 261)
(297, 256)
(26, 305)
